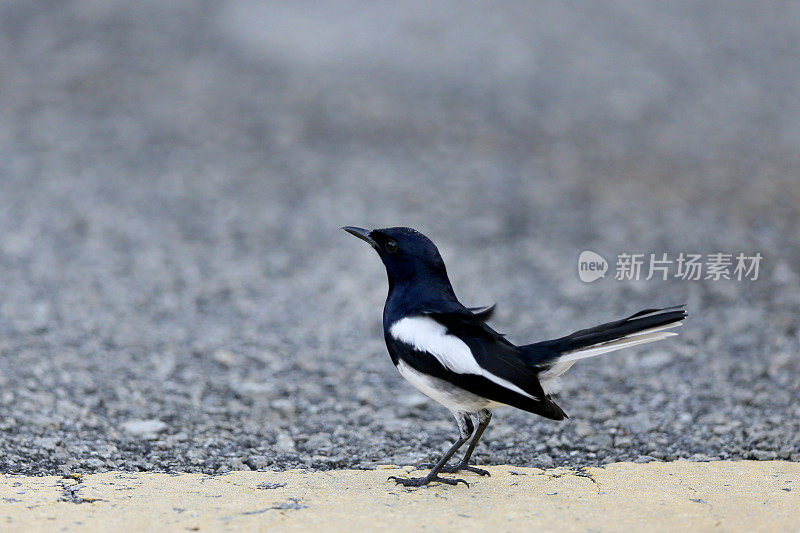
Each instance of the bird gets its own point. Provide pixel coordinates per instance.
(449, 352)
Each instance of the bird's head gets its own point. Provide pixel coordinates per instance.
(405, 252)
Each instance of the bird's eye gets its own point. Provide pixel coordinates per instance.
(391, 246)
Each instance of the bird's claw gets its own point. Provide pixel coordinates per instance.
(422, 481)
(476, 470)
(448, 469)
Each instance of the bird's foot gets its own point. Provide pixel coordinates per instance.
(473, 469)
(448, 469)
(422, 481)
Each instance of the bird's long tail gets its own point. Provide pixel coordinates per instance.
(554, 357)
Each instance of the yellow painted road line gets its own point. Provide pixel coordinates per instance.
(678, 496)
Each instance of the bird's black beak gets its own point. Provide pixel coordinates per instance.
(362, 234)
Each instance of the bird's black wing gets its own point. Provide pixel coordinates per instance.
(490, 349)
(471, 320)
(493, 353)
(496, 356)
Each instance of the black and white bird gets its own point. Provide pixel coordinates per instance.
(449, 353)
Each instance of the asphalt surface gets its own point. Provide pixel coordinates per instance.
(175, 294)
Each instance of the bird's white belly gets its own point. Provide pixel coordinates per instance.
(447, 394)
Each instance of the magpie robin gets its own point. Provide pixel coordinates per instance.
(450, 354)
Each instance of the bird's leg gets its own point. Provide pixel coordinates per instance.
(465, 429)
(484, 417)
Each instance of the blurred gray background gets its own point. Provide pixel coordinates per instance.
(175, 293)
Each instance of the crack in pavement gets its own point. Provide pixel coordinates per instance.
(71, 484)
(582, 472)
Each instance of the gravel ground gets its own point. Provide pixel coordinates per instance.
(175, 294)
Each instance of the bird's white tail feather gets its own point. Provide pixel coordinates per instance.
(640, 337)
(550, 378)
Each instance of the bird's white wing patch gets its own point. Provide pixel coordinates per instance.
(424, 334)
